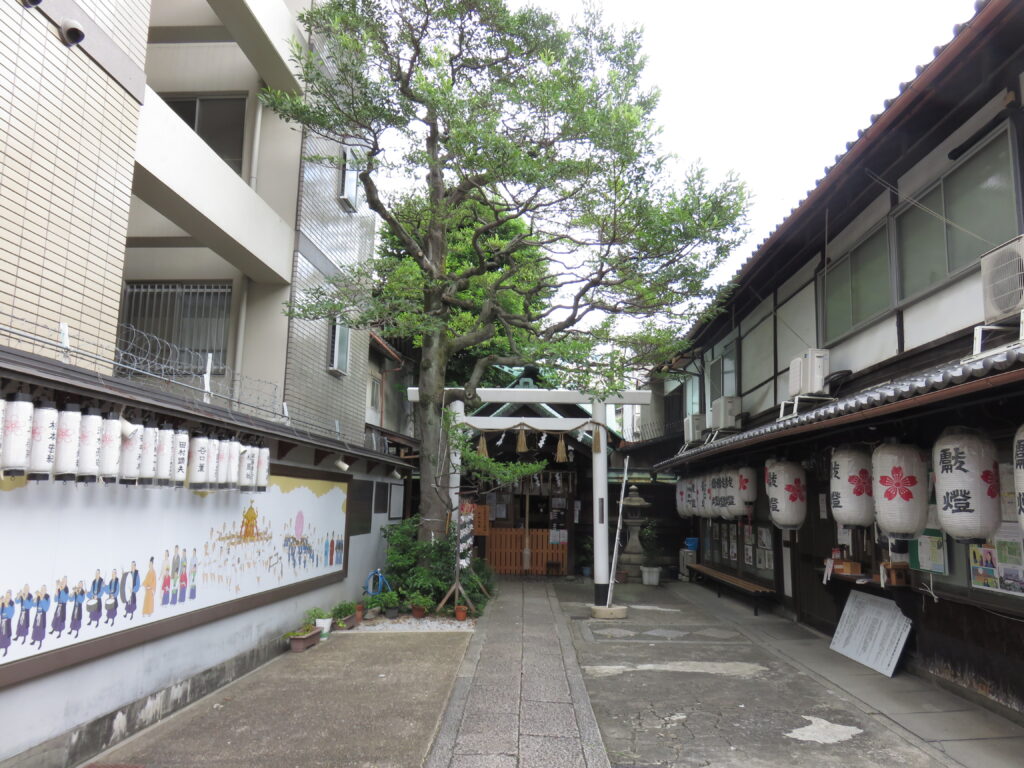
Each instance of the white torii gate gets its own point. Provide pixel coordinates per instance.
(566, 424)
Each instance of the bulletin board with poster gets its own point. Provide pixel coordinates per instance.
(998, 564)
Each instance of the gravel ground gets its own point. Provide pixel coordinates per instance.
(409, 624)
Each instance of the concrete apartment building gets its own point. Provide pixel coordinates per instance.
(154, 221)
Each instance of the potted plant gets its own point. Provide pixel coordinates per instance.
(304, 637)
(321, 619)
(344, 614)
(420, 604)
(372, 603)
(389, 602)
(650, 571)
(586, 556)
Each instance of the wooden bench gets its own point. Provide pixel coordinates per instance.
(749, 587)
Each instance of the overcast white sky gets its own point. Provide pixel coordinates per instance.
(773, 89)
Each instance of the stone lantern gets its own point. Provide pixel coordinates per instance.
(632, 556)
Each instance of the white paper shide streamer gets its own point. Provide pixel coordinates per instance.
(966, 484)
(900, 485)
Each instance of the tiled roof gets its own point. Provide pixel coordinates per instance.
(907, 92)
(934, 379)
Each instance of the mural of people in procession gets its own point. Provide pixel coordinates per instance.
(219, 548)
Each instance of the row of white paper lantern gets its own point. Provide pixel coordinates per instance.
(40, 443)
(727, 493)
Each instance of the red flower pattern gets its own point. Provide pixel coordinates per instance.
(797, 491)
(861, 483)
(991, 478)
(744, 482)
(898, 483)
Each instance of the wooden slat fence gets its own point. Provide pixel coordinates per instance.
(505, 553)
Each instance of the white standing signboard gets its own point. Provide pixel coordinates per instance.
(872, 631)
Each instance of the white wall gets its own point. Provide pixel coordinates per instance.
(872, 345)
(957, 306)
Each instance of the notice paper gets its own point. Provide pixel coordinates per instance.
(872, 631)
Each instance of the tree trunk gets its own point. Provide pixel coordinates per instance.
(435, 505)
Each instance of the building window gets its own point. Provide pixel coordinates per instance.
(219, 121)
(374, 386)
(969, 212)
(192, 318)
(858, 286)
(348, 179)
(721, 375)
(340, 334)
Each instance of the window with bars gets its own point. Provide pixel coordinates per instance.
(193, 318)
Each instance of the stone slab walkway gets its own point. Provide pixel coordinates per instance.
(519, 700)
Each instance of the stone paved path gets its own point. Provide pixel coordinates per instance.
(519, 699)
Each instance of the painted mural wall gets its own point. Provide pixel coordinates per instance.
(80, 562)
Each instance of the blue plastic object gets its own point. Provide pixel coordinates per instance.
(691, 543)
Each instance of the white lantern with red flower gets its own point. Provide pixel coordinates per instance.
(785, 485)
(704, 497)
(17, 428)
(746, 486)
(110, 448)
(899, 483)
(131, 451)
(681, 497)
(966, 484)
(65, 457)
(90, 436)
(850, 494)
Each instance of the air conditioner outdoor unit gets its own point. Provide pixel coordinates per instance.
(1002, 280)
(693, 425)
(807, 373)
(724, 411)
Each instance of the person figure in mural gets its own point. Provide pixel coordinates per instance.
(113, 592)
(94, 601)
(182, 584)
(192, 569)
(39, 622)
(175, 570)
(60, 612)
(6, 619)
(149, 601)
(165, 586)
(77, 600)
(130, 584)
(26, 602)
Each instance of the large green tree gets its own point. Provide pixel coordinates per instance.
(494, 116)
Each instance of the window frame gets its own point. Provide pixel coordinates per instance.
(228, 96)
(348, 179)
(333, 355)
(846, 259)
(1009, 135)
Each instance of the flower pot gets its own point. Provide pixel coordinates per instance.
(359, 612)
(299, 643)
(586, 570)
(324, 625)
(418, 612)
(650, 575)
(349, 622)
(391, 613)
(460, 613)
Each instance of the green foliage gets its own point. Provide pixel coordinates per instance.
(316, 613)
(428, 567)
(420, 600)
(649, 542)
(388, 599)
(343, 609)
(371, 601)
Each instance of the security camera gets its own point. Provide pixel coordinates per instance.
(342, 465)
(71, 32)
